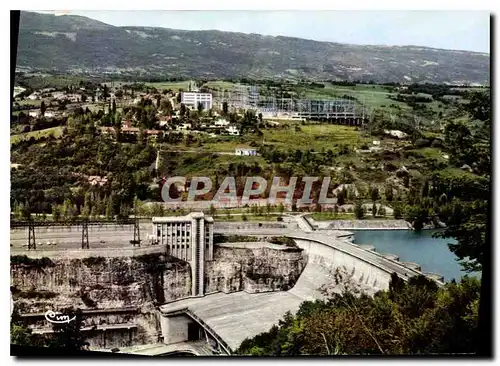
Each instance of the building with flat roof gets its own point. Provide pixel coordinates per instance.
(191, 99)
(246, 151)
(189, 238)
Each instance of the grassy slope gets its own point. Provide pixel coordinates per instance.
(315, 137)
(56, 131)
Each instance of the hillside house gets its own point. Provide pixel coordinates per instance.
(246, 151)
(232, 130)
(221, 122)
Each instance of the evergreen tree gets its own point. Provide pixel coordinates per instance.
(109, 208)
(212, 210)
(43, 108)
(281, 208)
(67, 209)
(56, 212)
(359, 210)
(113, 116)
(341, 197)
(374, 193)
(389, 193)
(94, 213)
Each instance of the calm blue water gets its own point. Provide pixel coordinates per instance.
(432, 254)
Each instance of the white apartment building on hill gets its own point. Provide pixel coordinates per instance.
(191, 99)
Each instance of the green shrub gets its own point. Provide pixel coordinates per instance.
(31, 262)
(94, 261)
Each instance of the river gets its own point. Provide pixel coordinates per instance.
(432, 254)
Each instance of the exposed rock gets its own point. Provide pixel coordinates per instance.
(253, 270)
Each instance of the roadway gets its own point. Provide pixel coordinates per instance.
(71, 237)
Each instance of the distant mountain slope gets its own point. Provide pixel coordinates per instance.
(79, 44)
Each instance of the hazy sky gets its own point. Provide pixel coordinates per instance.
(461, 30)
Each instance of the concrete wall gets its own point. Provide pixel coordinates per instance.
(220, 226)
(363, 273)
(175, 328)
(363, 224)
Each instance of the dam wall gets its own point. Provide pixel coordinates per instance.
(363, 274)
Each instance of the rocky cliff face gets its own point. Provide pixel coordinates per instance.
(114, 293)
(121, 291)
(98, 282)
(253, 270)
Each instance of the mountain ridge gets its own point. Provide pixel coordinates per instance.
(77, 44)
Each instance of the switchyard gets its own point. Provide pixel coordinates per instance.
(340, 110)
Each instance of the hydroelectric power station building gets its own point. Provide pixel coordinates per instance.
(189, 238)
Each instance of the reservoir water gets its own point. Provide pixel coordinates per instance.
(432, 254)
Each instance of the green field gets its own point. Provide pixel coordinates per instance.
(30, 102)
(374, 96)
(56, 131)
(219, 84)
(203, 164)
(53, 81)
(317, 137)
(174, 85)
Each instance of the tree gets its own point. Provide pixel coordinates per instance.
(359, 210)
(21, 335)
(281, 208)
(389, 192)
(425, 188)
(374, 193)
(86, 212)
(69, 335)
(56, 212)
(109, 208)
(341, 196)
(398, 210)
(374, 209)
(67, 209)
(212, 210)
(225, 108)
(114, 110)
(468, 221)
(94, 213)
(381, 211)
(414, 317)
(179, 96)
(166, 107)
(182, 110)
(200, 107)
(43, 108)
(105, 92)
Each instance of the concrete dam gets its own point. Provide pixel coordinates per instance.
(143, 301)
